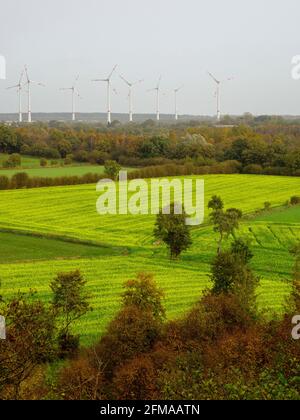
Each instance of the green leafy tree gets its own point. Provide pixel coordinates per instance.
(112, 169)
(135, 328)
(225, 222)
(231, 273)
(173, 231)
(71, 302)
(9, 141)
(143, 293)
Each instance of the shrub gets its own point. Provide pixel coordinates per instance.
(133, 332)
(253, 169)
(81, 380)
(20, 180)
(68, 160)
(13, 161)
(43, 163)
(295, 200)
(4, 182)
(135, 380)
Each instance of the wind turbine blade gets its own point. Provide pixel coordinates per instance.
(26, 72)
(13, 87)
(66, 89)
(100, 80)
(178, 89)
(112, 72)
(159, 82)
(77, 93)
(126, 81)
(213, 77)
(21, 77)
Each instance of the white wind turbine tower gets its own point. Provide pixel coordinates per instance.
(176, 107)
(157, 89)
(74, 93)
(218, 93)
(108, 81)
(19, 88)
(29, 82)
(130, 85)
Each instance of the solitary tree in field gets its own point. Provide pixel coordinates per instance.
(71, 303)
(225, 222)
(173, 231)
(112, 169)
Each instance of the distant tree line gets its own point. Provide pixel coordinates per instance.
(268, 147)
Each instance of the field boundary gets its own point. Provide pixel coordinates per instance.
(63, 238)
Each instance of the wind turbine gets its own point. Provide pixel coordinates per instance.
(157, 89)
(130, 85)
(175, 94)
(108, 81)
(19, 88)
(29, 83)
(218, 93)
(74, 93)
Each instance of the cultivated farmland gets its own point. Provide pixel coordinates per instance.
(66, 233)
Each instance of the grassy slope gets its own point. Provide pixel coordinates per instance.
(22, 248)
(70, 211)
(282, 215)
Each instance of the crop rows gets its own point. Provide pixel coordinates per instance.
(71, 211)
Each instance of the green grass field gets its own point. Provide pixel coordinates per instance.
(56, 171)
(27, 161)
(282, 215)
(24, 248)
(65, 214)
(31, 166)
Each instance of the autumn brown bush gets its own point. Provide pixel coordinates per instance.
(136, 380)
(81, 379)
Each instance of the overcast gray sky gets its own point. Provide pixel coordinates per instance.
(254, 41)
